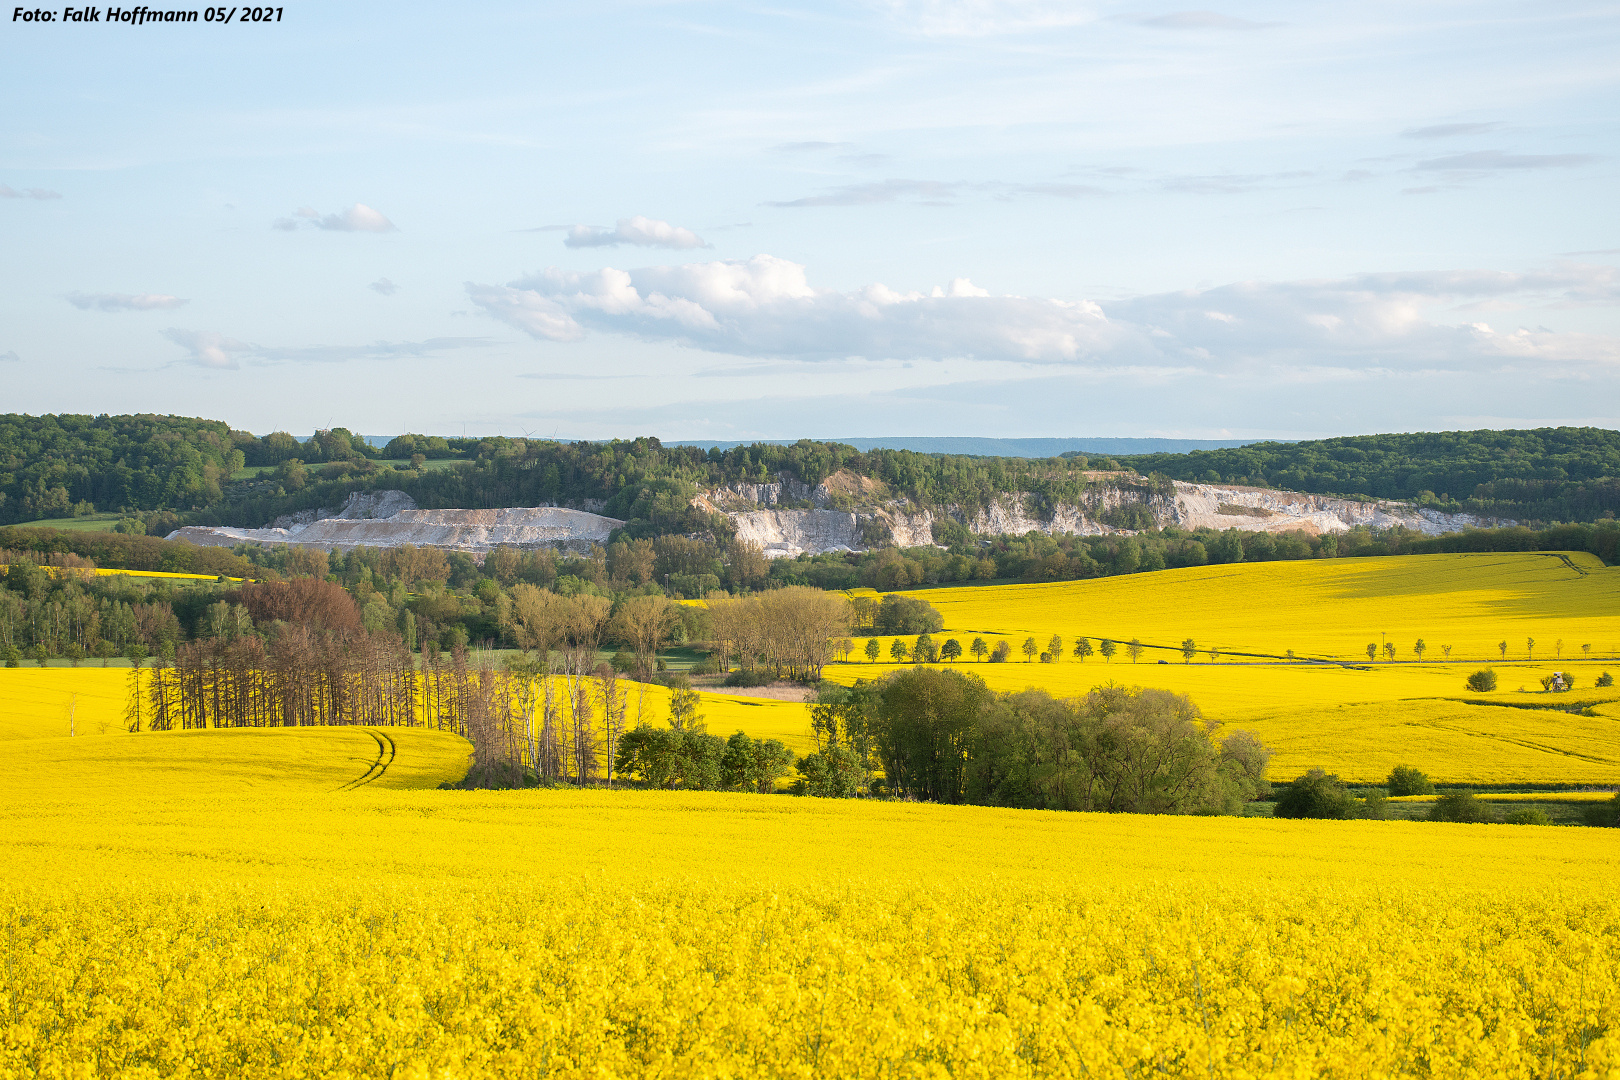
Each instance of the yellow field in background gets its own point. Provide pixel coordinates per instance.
(184, 913)
(1320, 607)
(1240, 691)
(35, 702)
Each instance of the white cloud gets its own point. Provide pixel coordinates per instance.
(639, 231)
(27, 193)
(10, 357)
(384, 286)
(209, 348)
(357, 218)
(124, 301)
(766, 307)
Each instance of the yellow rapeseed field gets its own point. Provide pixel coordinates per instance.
(170, 908)
(1322, 607)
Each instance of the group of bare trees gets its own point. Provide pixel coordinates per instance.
(792, 632)
(298, 677)
(520, 717)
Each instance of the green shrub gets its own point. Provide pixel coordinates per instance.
(834, 773)
(1604, 814)
(753, 764)
(744, 677)
(1482, 681)
(1374, 805)
(667, 758)
(1605, 679)
(1528, 815)
(1461, 806)
(1404, 780)
(1316, 795)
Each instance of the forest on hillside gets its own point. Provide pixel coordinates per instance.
(1548, 474)
(165, 471)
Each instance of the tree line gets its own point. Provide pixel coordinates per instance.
(943, 736)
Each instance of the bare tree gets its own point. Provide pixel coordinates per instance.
(611, 696)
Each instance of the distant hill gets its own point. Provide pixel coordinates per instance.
(1012, 448)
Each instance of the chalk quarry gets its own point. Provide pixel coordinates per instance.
(846, 513)
(391, 519)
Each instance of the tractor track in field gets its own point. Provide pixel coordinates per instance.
(385, 757)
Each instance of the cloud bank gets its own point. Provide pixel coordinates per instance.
(384, 286)
(27, 193)
(638, 231)
(766, 307)
(124, 301)
(357, 218)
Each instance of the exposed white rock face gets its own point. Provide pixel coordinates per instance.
(360, 504)
(475, 531)
(1007, 516)
(794, 532)
(786, 533)
(743, 496)
(1216, 507)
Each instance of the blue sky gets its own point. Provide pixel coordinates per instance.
(737, 221)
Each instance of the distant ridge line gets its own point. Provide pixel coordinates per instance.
(980, 447)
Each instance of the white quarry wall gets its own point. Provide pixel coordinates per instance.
(785, 533)
(474, 531)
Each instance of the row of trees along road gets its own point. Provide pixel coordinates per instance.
(943, 736)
